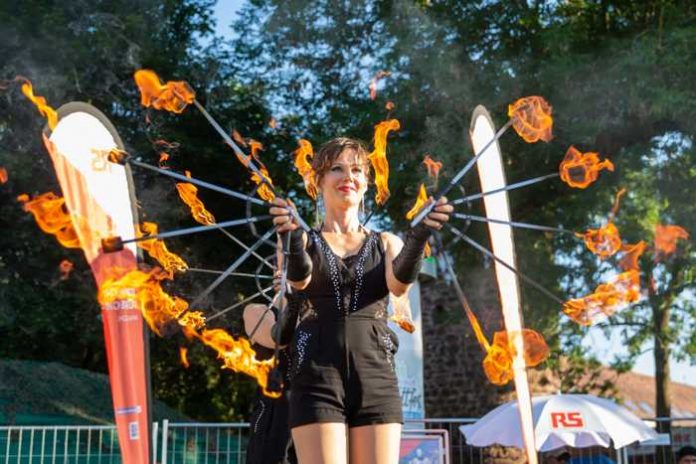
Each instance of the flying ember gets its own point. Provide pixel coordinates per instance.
(531, 119)
(3, 175)
(172, 96)
(373, 83)
(303, 155)
(579, 170)
(432, 166)
(65, 267)
(163, 159)
(40, 102)
(159, 251)
(389, 106)
(607, 299)
(666, 237)
(183, 356)
(378, 158)
(52, 216)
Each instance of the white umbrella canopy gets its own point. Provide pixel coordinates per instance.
(578, 421)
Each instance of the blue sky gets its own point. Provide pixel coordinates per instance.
(225, 13)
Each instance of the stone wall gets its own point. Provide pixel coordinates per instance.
(454, 382)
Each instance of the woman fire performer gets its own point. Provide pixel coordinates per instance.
(344, 399)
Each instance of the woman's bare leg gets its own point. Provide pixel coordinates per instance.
(323, 443)
(375, 444)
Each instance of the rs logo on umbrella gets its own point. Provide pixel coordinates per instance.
(566, 420)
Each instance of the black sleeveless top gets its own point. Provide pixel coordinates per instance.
(341, 287)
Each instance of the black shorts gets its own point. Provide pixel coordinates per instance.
(344, 371)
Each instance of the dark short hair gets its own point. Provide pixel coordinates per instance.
(685, 451)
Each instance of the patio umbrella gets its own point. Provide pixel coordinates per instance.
(578, 421)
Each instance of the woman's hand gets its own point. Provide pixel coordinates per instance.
(439, 215)
(283, 212)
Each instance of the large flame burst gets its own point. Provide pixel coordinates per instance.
(143, 290)
(606, 300)
(173, 96)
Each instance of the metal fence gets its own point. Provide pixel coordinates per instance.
(62, 444)
(218, 443)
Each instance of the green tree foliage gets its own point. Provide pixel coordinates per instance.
(88, 51)
(616, 72)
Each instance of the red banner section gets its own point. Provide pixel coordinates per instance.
(98, 195)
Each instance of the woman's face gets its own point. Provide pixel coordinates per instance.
(345, 183)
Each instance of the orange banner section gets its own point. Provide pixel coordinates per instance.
(97, 195)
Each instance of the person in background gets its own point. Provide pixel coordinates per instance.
(686, 455)
(269, 439)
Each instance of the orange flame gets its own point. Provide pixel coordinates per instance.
(432, 166)
(159, 251)
(255, 146)
(189, 195)
(603, 242)
(378, 158)
(238, 138)
(40, 102)
(138, 289)
(579, 170)
(237, 354)
(666, 237)
(497, 365)
(607, 299)
(52, 216)
(3, 175)
(172, 96)
(183, 356)
(617, 201)
(403, 322)
(531, 119)
(373, 83)
(65, 268)
(303, 155)
(22, 198)
(264, 190)
(420, 201)
(631, 255)
(163, 159)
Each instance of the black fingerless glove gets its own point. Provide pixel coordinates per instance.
(299, 261)
(284, 328)
(408, 263)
